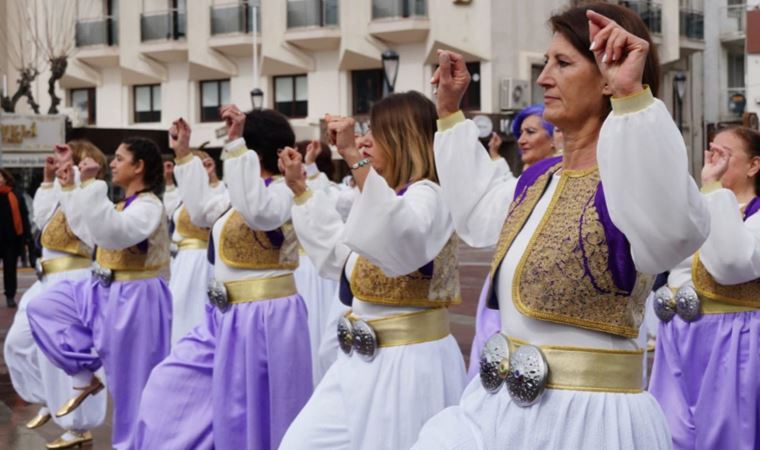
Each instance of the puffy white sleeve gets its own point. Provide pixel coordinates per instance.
(399, 234)
(44, 204)
(262, 207)
(114, 229)
(171, 200)
(731, 252)
(476, 190)
(204, 204)
(320, 230)
(650, 195)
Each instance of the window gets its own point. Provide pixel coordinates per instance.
(367, 88)
(536, 91)
(291, 95)
(735, 70)
(213, 95)
(83, 100)
(147, 103)
(471, 99)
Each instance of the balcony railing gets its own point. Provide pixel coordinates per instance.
(733, 20)
(312, 13)
(692, 24)
(164, 25)
(384, 9)
(234, 18)
(102, 31)
(650, 13)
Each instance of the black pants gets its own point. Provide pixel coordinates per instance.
(10, 253)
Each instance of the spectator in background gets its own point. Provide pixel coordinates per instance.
(14, 228)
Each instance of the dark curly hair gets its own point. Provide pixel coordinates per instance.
(267, 131)
(148, 151)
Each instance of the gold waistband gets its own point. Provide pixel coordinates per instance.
(64, 264)
(134, 275)
(591, 369)
(712, 306)
(413, 328)
(258, 289)
(192, 244)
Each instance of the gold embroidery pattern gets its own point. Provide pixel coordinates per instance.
(563, 275)
(132, 258)
(58, 236)
(244, 248)
(187, 229)
(370, 284)
(744, 294)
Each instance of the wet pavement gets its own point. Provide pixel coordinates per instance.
(15, 412)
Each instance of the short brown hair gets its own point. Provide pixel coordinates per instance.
(572, 24)
(403, 127)
(82, 148)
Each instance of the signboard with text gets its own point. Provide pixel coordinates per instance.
(27, 139)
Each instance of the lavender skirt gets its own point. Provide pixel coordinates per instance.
(236, 381)
(127, 324)
(487, 323)
(706, 377)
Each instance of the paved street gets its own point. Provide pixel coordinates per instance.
(14, 412)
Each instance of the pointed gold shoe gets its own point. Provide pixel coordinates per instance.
(38, 421)
(95, 386)
(78, 440)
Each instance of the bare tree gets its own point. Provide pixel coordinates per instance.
(23, 55)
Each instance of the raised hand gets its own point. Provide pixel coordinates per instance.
(88, 169)
(234, 119)
(48, 173)
(292, 168)
(340, 130)
(65, 174)
(716, 163)
(210, 165)
(620, 54)
(179, 137)
(493, 145)
(313, 149)
(63, 153)
(169, 173)
(451, 78)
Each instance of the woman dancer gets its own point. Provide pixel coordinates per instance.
(65, 256)
(238, 379)
(190, 270)
(123, 311)
(398, 249)
(570, 274)
(706, 372)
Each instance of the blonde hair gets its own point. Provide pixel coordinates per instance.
(82, 148)
(403, 127)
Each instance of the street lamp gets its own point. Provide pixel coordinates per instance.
(257, 98)
(390, 68)
(679, 87)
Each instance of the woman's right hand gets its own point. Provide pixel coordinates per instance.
(179, 138)
(313, 149)
(716, 163)
(341, 133)
(169, 173)
(451, 78)
(48, 173)
(88, 169)
(292, 168)
(65, 174)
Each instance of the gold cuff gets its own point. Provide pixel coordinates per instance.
(711, 187)
(632, 103)
(46, 185)
(86, 183)
(234, 153)
(68, 188)
(449, 121)
(259, 289)
(303, 197)
(184, 160)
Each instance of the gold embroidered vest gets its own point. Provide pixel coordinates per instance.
(743, 294)
(420, 289)
(244, 248)
(58, 236)
(563, 276)
(138, 257)
(187, 229)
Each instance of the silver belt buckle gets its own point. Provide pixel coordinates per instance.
(38, 270)
(664, 304)
(688, 305)
(173, 249)
(525, 372)
(102, 274)
(357, 336)
(217, 294)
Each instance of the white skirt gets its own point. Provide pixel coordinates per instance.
(563, 419)
(36, 379)
(190, 272)
(318, 293)
(380, 404)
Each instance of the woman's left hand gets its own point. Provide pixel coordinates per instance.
(292, 168)
(88, 169)
(620, 54)
(716, 163)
